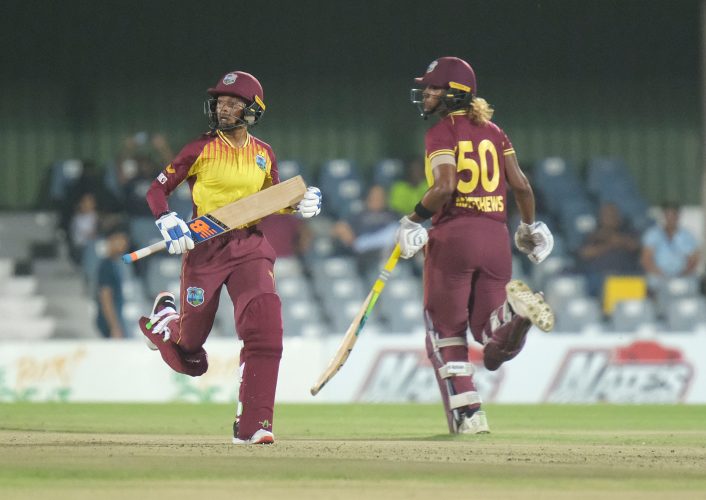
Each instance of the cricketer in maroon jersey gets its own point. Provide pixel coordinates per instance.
(220, 167)
(468, 265)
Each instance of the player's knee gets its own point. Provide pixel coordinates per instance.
(260, 324)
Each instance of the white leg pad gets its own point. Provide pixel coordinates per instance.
(456, 369)
(464, 399)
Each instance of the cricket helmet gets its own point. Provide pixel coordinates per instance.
(450, 73)
(237, 84)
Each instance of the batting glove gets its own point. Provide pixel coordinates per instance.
(175, 233)
(311, 203)
(411, 237)
(535, 240)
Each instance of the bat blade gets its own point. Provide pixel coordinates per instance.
(356, 326)
(235, 215)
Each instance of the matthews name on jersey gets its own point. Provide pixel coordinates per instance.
(480, 152)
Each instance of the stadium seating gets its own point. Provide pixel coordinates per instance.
(576, 314)
(630, 315)
(685, 314)
(387, 171)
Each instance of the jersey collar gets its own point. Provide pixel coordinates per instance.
(225, 139)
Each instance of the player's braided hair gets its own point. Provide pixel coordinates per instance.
(480, 111)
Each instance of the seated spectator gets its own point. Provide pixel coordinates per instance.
(109, 294)
(406, 193)
(287, 234)
(668, 250)
(612, 248)
(83, 226)
(369, 234)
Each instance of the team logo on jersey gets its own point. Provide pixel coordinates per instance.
(432, 66)
(162, 178)
(194, 296)
(261, 161)
(229, 79)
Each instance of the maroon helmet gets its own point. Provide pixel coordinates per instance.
(237, 84)
(450, 73)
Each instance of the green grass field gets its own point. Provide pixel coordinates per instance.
(82, 451)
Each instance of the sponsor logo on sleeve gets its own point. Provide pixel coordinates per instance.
(195, 296)
(642, 372)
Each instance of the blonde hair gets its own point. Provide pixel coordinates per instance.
(480, 112)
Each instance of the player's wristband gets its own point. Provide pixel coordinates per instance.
(422, 211)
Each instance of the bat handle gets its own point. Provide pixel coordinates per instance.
(144, 252)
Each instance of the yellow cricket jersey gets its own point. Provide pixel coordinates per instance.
(218, 173)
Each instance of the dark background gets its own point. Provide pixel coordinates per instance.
(567, 77)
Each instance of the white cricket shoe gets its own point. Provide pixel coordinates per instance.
(163, 311)
(530, 305)
(475, 424)
(260, 437)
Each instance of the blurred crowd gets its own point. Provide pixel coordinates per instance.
(96, 207)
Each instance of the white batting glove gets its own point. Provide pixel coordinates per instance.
(535, 240)
(311, 203)
(411, 237)
(175, 233)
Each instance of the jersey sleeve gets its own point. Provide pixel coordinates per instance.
(172, 175)
(506, 145)
(440, 140)
(272, 177)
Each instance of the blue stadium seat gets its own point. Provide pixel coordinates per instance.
(387, 171)
(602, 173)
(629, 315)
(289, 168)
(578, 314)
(342, 188)
(559, 290)
(684, 314)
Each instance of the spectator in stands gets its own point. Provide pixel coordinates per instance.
(287, 234)
(109, 294)
(83, 227)
(612, 248)
(369, 234)
(89, 182)
(406, 192)
(668, 250)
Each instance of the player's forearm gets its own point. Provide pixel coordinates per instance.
(436, 197)
(524, 199)
(157, 199)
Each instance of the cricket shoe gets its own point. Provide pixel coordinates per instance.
(163, 311)
(260, 437)
(475, 424)
(524, 302)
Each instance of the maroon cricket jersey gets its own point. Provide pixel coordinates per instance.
(480, 151)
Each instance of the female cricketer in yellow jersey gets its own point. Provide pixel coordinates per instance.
(468, 264)
(222, 166)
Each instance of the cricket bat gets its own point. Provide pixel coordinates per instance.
(357, 325)
(237, 214)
